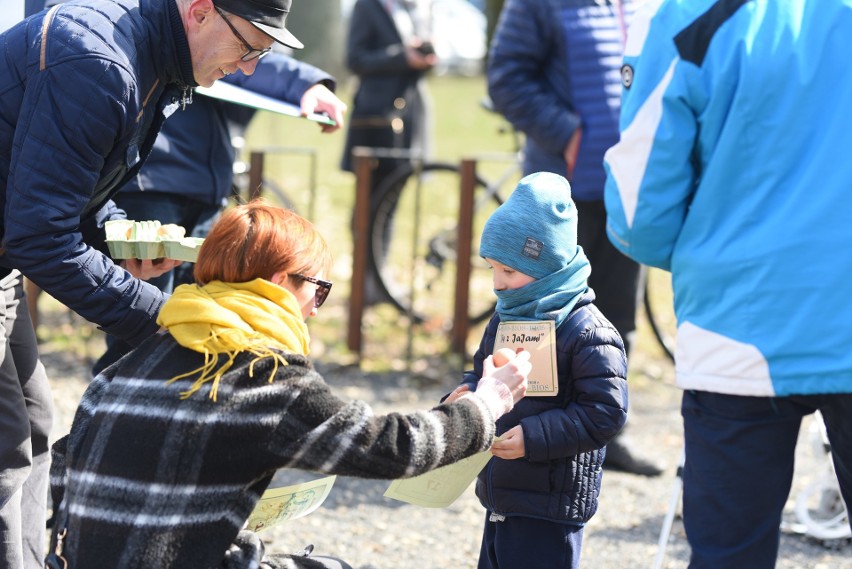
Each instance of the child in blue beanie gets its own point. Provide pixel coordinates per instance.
(543, 482)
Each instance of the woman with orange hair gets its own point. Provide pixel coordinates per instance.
(172, 446)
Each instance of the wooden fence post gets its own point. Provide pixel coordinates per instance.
(458, 342)
(255, 174)
(363, 180)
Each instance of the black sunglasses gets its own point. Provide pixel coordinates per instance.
(323, 288)
(251, 52)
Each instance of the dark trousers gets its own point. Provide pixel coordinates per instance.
(519, 542)
(738, 471)
(196, 217)
(615, 277)
(26, 418)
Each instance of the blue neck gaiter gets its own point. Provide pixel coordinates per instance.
(551, 297)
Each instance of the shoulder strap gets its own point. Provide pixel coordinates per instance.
(45, 25)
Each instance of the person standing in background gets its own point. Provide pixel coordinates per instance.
(554, 72)
(389, 51)
(743, 193)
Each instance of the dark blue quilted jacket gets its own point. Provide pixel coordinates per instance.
(559, 479)
(83, 90)
(555, 65)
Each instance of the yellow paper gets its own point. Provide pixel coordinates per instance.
(289, 503)
(440, 487)
(538, 337)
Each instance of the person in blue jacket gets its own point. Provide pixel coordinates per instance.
(553, 72)
(730, 173)
(543, 483)
(78, 118)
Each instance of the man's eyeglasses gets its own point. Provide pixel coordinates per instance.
(323, 288)
(251, 52)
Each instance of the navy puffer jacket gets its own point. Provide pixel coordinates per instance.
(559, 479)
(555, 66)
(83, 90)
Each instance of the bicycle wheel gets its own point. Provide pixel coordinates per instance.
(413, 243)
(659, 309)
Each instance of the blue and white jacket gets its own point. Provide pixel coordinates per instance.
(554, 66)
(731, 173)
(84, 89)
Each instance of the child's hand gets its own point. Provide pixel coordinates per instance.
(511, 444)
(457, 392)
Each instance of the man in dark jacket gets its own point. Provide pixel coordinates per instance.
(84, 89)
(553, 71)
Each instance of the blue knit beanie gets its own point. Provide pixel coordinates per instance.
(535, 230)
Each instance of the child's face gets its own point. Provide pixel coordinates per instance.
(507, 278)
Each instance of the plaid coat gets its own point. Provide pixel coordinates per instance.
(146, 479)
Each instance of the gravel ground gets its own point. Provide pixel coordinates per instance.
(358, 524)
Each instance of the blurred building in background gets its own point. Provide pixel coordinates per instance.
(459, 36)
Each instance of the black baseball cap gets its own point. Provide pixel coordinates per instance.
(269, 16)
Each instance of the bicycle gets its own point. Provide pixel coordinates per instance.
(412, 248)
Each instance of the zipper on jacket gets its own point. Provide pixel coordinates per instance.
(186, 98)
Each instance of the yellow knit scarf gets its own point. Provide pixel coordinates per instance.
(230, 318)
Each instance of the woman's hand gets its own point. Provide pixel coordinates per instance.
(513, 374)
(418, 58)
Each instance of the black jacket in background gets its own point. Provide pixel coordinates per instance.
(388, 88)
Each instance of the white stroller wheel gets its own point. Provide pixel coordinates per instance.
(819, 506)
(820, 509)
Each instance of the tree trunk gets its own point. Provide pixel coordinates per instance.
(319, 25)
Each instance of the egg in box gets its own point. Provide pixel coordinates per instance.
(128, 239)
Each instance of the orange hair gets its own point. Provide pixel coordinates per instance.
(257, 240)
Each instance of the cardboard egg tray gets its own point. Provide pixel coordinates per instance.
(129, 239)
